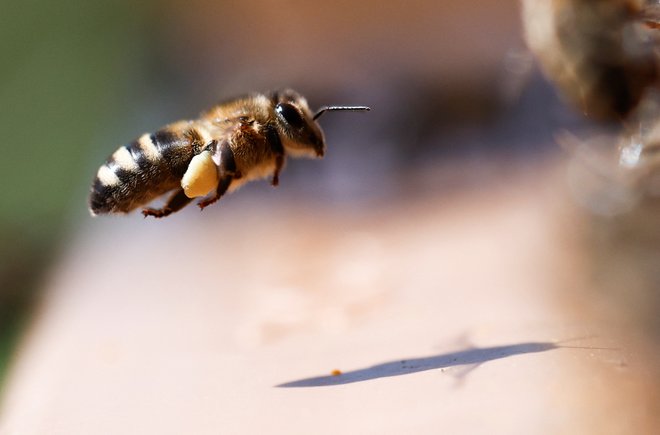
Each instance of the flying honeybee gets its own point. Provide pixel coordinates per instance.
(600, 53)
(237, 141)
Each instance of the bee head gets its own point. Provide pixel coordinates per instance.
(300, 134)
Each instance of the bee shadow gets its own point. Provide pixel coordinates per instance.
(471, 356)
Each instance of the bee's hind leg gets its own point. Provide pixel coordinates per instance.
(227, 171)
(223, 185)
(175, 203)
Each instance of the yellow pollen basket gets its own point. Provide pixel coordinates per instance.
(201, 177)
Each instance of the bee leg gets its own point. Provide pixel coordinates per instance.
(223, 185)
(227, 171)
(175, 203)
(279, 162)
(277, 149)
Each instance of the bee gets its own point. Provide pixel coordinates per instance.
(600, 54)
(235, 142)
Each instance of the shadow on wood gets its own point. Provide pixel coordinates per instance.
(473, 356)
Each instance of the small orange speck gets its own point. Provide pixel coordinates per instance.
(336, 372)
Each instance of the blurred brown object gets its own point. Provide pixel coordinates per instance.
(602, 56)
(596, 52)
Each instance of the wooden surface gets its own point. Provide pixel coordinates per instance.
(444, 314)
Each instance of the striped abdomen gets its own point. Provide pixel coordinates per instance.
(146, 168)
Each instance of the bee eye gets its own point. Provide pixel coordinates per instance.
(290, 114)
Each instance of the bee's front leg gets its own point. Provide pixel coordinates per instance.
(279, 163)
(277, 149)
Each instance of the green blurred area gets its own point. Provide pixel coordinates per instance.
(66, 66)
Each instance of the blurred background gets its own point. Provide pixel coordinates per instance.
(461, 119)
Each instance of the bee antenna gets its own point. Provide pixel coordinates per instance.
(324, 109)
